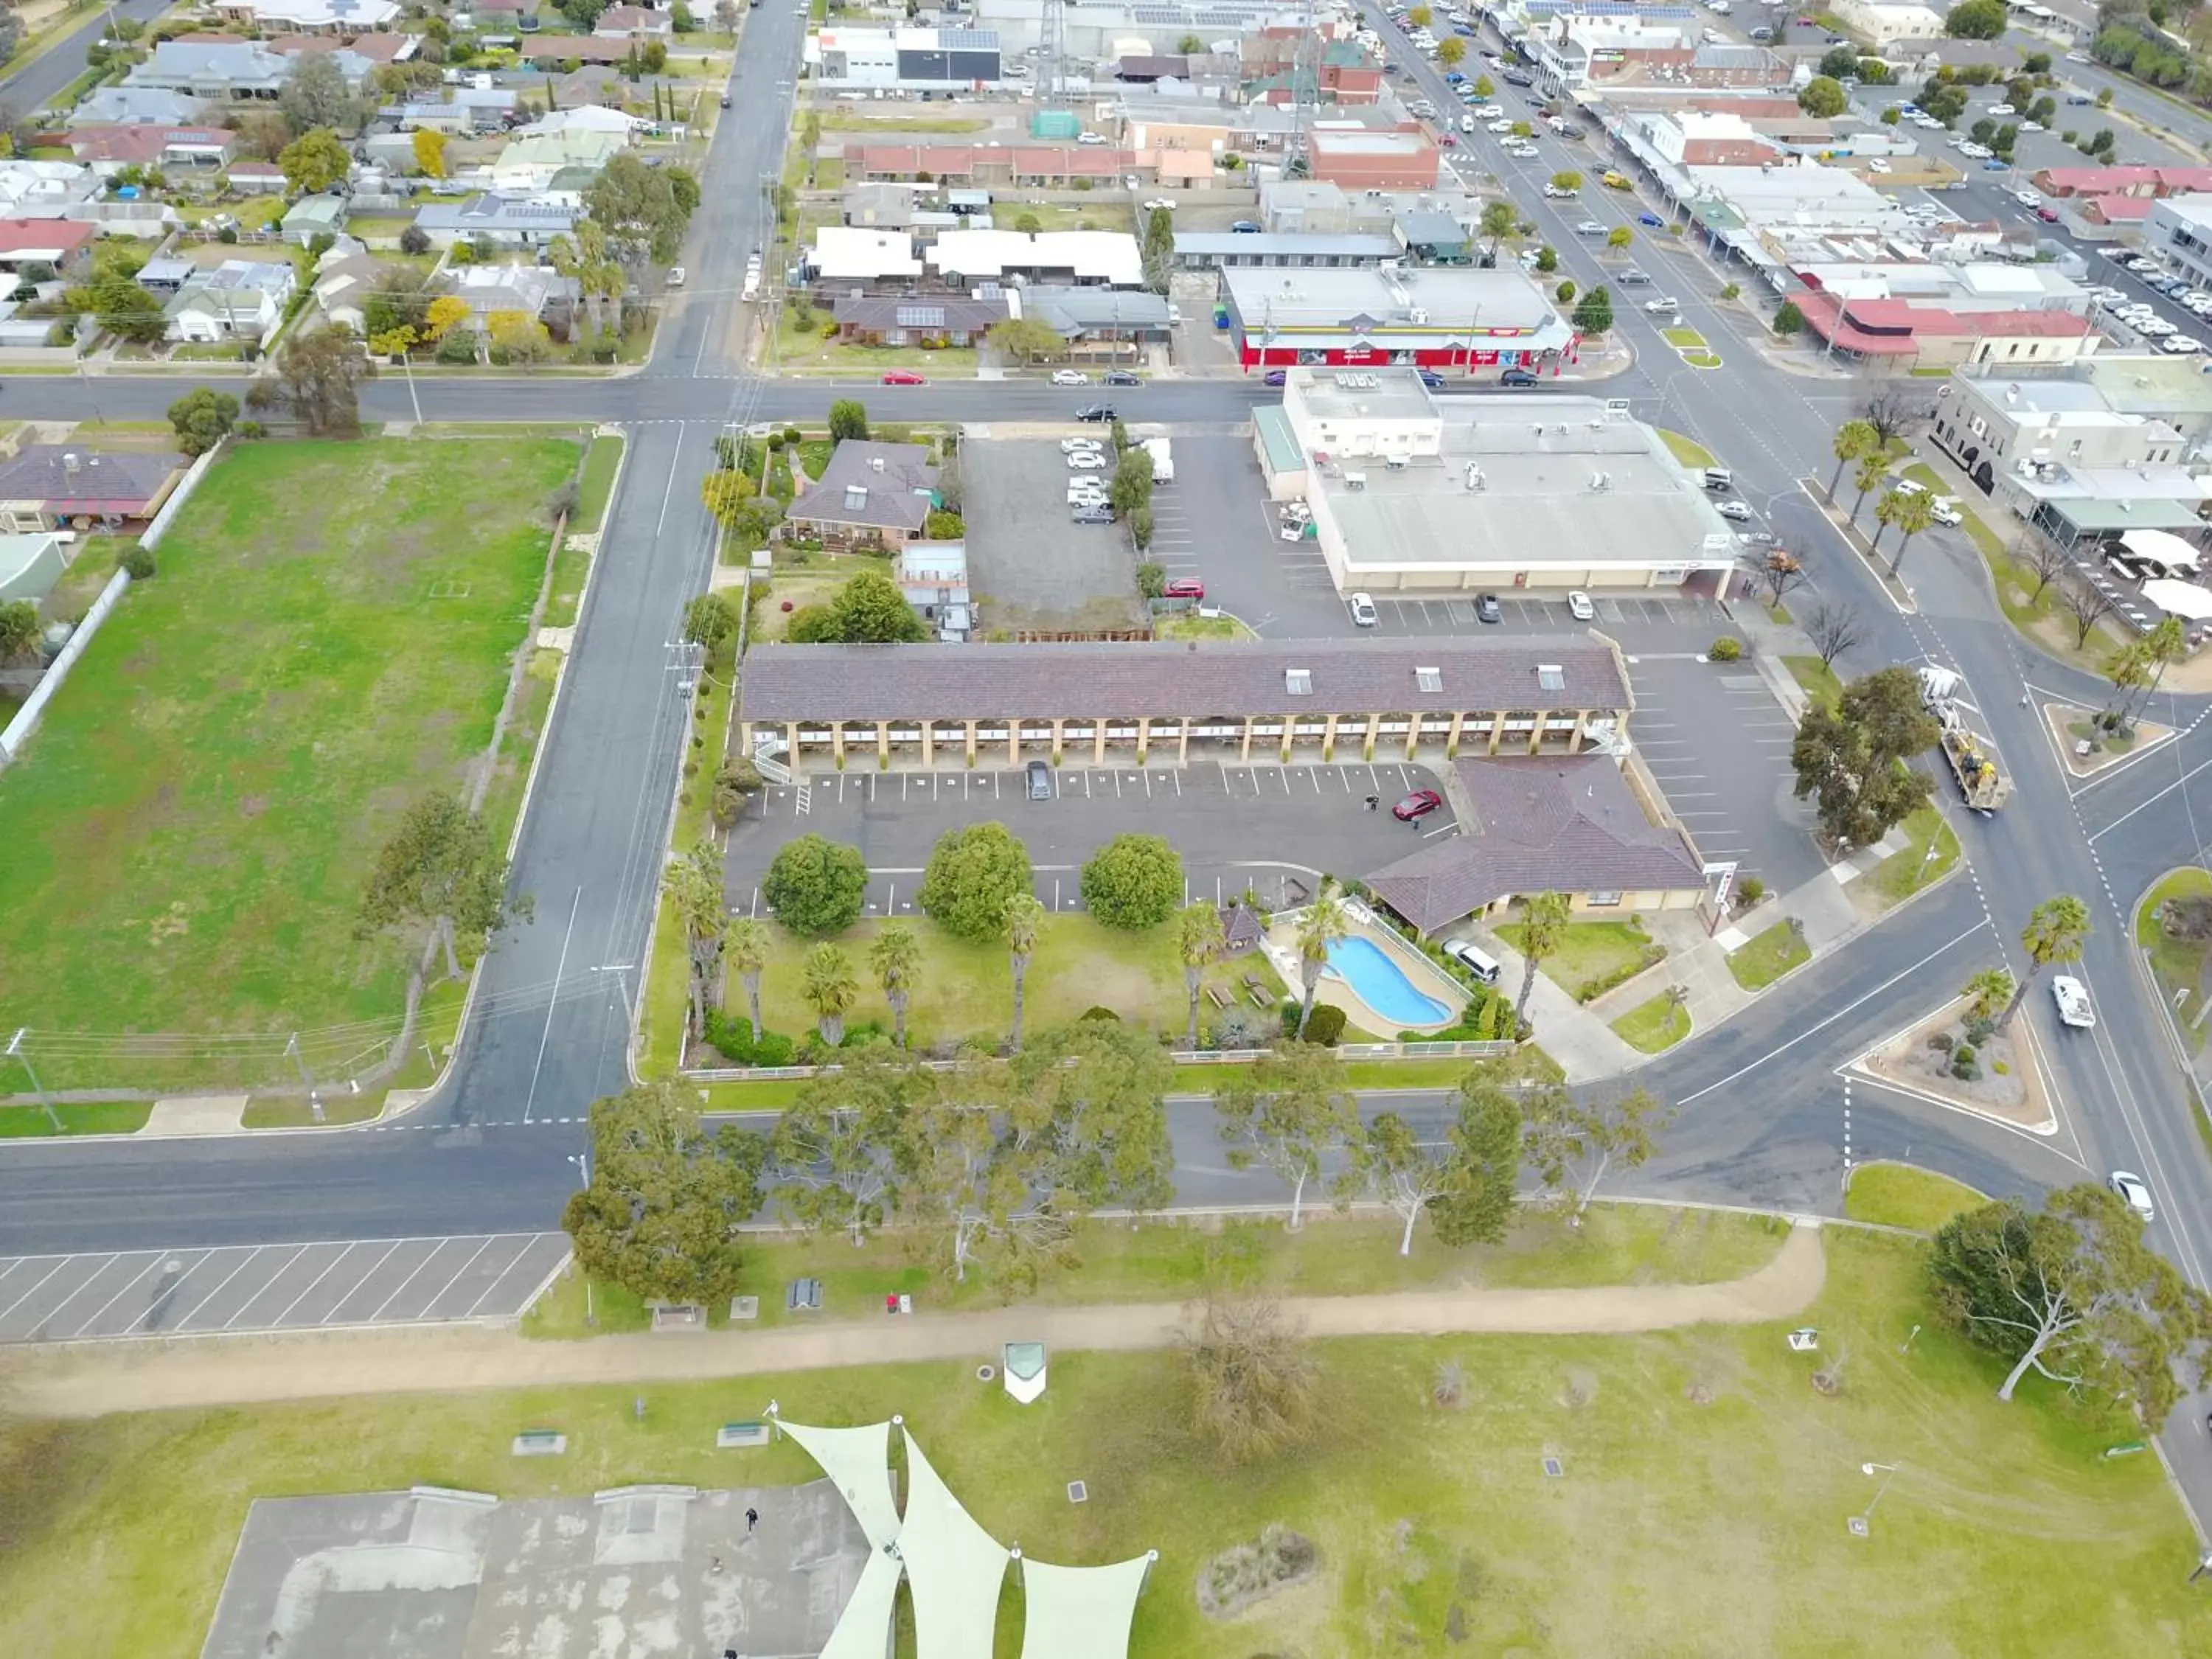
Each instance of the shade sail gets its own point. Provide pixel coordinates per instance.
(2184, 599)
(1080, 1612)
(2163, 545)
(858, 1463)
(953, 1567)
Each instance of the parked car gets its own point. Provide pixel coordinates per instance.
(904, 377)
(1418, 805)
(1123, 377)
(1092, 515)
(1085, 460)
(2135, 1193)
(1245, 228)
(1651, 221)
(1520, 377)
(1184, 587)
(1486, 608)
(1579, 606)
(1070, 377)
(1275, 377)
(1736, 512)
(1069, 445)
(1363, 612)
(676, 276)
(2048, 214)
(1432, 380)
(1040, 779)
(1095, 412)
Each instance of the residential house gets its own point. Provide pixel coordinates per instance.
(312, 16)
(61, 244)
(1585, 825)
(1108, 258)
(933, 576)
(109, 147)
(129, 105)
(1005, 164)
(585, 118)
(633, 23)
(531, 164)
(256, 177)
(320, 215)
(929, 320)
(542, 294)
(344, 282)
(373, 48)
(1093, 317)
(214, 71)
(574, 49)
(239, 300)
(164, 277)
(873, 494)
(846, 254)
(57, 487)
(469, 109)
(30, 565)
(502, 221)
(32, 190)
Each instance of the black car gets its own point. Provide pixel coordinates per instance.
(1277, 377)
(1514, 78)
(1518, 377)
(1432, 380)
(1092, 515)
(1245, 228)
(1123, 377)
(1095, 412)
(1040, 777)
(1486, 608)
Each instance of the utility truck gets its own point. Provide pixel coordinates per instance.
(1971, 752)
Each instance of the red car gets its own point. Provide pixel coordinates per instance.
(2049, 215)
(1447, 142)
(1418, 805)
(1185, 588)
(904, 377)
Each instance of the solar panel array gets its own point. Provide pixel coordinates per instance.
(921, 316)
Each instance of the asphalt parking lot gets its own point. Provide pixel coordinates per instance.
(1413, 614)
(274, 1287)
(1233, 824)
(1719, 745)
(1028, 565)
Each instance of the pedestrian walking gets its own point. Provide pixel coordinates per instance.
(2023, 700)
(752, 1520)
(1374, 802)
(717, 1567)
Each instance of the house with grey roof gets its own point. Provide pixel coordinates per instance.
(502, 221)
(239, 300)
(935, 319)
(130, 105)
(1257, 702)
(1592, 827)
(64, 486)
(469, 109)
(872, 495)
(216, 71)
(1098, 315)
(320, 215)
(530, 290)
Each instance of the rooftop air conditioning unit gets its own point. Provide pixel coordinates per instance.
(1416, 315)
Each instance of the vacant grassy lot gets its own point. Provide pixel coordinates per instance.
(1702, 1502)
(1899, 1195)
(1593, 956)
(1330, 1254)
(2179, 963)
(1768, 956)
(328, 639)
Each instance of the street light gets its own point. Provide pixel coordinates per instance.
(583, 1163)
(1861, 1523)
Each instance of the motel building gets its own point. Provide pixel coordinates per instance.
(1179, 702)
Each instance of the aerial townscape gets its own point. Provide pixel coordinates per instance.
(1105, 829)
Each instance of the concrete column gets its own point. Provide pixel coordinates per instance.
(791, 745)
(1412, 731)
(1098, 741)
(1182, 742)
(883, 742)
(1496, 731)
(1328, 738)
(1057, 727)
(1451, 742)
(1245, 752)
(929, 743)
(1013, 743)
(1143, 735)
(837, 741)
(971, 743)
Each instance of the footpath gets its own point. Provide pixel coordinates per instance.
(94, 1380)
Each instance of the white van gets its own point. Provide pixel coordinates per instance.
(1474, 958)
(1719, 480)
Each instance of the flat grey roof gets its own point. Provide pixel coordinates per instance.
(1351, 394)
(1170, 679)
(1316, 245)
(1329, 296)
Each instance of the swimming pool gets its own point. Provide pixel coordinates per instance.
(1381, 984)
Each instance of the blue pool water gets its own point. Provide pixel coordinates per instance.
(1381, 984)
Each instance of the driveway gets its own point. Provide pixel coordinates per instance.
(1233, 824)
(1215, 522)
(1719, 745)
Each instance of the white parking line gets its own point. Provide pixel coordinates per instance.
(152, 1263)
(434, 1249)
(318, 1279)
(457, 1272)
(298, 1250)
(501, 1277)
(59, 1263)
(251, 1252)
(155, 1306)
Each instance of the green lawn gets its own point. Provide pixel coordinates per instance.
(1900, 1195)
(601, 464)
(1329, 1256)
(2178, 965)
(804, 348)
(1688, 451)
(1702, 359)
(1685, 339)
(327, 639)
(1593, 956)
(1818, 680)
(1768, 956)
(280, 1112)
(96, 1117)
(1193, 627)
(1933, 849)
(1702, 1502)
(1654, 1027)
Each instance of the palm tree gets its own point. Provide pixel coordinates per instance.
(1025, 914)
(694, 891)
(2164, 644)
(2127, 668)
(1543, 930)
(1199, 942)
(2056, 929)
(1911, 512)
(1988, 992)
(1320, 926)
(744, 947)
(895, 956)
(1873, 469)
(1499, 221)
(831, 990)
(1855, 441)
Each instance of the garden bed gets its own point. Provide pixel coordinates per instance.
(2004, 1084)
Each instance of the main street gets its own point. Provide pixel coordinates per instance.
(1765, 1107)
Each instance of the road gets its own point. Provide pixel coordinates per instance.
(1764, 1108)
(35, 85)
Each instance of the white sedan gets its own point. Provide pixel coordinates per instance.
(2181, 344)
(2028, 198)
(1579, 606)
(1363, 611)
(1087, 460)
(2135, 1192)
(1734, 510)
(1070, 377)
(1080, 445)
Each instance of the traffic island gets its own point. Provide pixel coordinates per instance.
(2087, 748)
(1999, 1078)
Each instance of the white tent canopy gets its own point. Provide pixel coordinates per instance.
(858, 1463)
(2184, 599)
(2163, 545)
(954, 1567)
(1080, 1612)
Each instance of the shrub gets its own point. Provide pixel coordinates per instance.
(1942, 1042)
(227, 235)
(1966, 1071)
(1240, 1027)
(731, 1037)
(1751, 890)
(1963, 1054)
(793, 436)
(1095, 1012)
(138, 560)
(971, 874)
(1980, 1029)
(1133, 882)
(1725, 649)
(1327, 1025)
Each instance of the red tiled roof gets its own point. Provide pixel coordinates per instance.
(1897, 327)
(2120, 209)
(35, 236)
(106, 141)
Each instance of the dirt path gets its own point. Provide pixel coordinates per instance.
(94, 1379)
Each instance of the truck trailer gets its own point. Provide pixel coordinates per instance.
(1972, 755)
